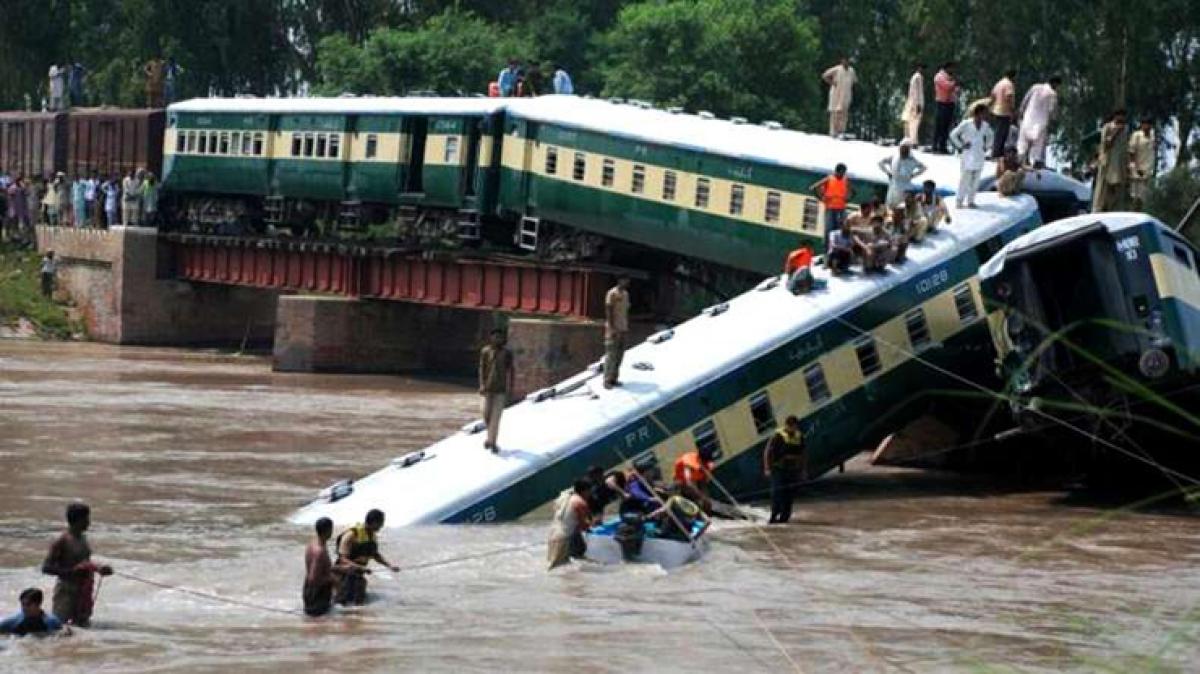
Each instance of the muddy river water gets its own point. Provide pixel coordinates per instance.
(192, 461)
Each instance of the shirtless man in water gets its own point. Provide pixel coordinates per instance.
(70, 559)
(321, 575)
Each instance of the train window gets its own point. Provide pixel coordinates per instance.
(191, 142)
(812, 211)
(202, 146)
(309, 143)
(737, 199)
(1182, 255)
(668, 193)
(451, 154)
(247, 144)
(580, 168)
(762, 413)
(918, 329)
(551, 160)
(335, 145)
(240, 143)
(258, 144)
(608, 170)
(868, 356)
(702, 190)
(372, 146)
(964, 302)
(322, 143)
(180, 142)
(297, 142)
(814, 380)
(773, 200)
(224, 146)
(706, 439)
(639, 179)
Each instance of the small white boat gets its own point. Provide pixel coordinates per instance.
(604, 546)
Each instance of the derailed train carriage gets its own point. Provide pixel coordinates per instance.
(1097, 321)
(561, 176)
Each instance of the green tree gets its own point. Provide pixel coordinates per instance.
(732, 57)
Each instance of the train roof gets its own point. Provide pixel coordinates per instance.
(817, 153)
(345, 105)
(458, 473)
(1064, 230)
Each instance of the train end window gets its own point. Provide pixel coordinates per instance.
(372, 146)
(812, 213)
(580, 168)
(297, 143)
(202, 145)
(818, 387)
(707, 440)
(868, 356)
(335, 146)
(258, 144)
(773, 205)
(703, 187)
(737, 199)
(1183, 256)
(551, 160)
(964, 303)
(762, 413)
(918, 329)
(608, 172)
(322, 144)
(451, 154)
(247, 144)
(639, 179)
(191, 142)
(669, 181)
(309, 144)
(180, 142)
(224, 146)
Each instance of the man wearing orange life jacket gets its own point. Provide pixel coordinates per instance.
(694, 470)
(797, 270)
(834, 193)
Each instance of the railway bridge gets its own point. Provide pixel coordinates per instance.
(332, 307)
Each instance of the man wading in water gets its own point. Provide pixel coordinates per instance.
(70, 558)
(356, 548)
(320, 574)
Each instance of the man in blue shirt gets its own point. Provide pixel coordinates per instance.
(507, 80)
(562, 81)
(31, 619)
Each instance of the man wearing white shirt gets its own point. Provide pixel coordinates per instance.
(1037, 111)
(914, 105)
(841, 79)
(973, 138)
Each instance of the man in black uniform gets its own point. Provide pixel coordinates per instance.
(356, 548)
(785, 463)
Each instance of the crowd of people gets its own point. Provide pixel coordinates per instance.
(89, 200)
(65, 84)
(534, 79)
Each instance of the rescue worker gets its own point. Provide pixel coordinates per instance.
(357, 546)
(70, 559)
(785, 465)
(616, 330)
(797, 269)
(1112, 165)
(1141, 163)
(694, 470)
(834, 193)
(572, 517)
(31, 619)
(841, 79)
(605, 489)
(679, 514)
(496, 376)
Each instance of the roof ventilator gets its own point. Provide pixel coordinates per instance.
(541, 394)
(643, 366)
(768, 284)
(474, 427)
(738, 120)
(336, 491)
(772, 125)
(410, 459)
(705, 114)
(717, 309)
(675, 110)
(660, 337)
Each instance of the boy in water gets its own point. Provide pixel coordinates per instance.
(319, 571)
(70, 559)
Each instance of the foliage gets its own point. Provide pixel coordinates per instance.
(21, 295)
(1172, 196)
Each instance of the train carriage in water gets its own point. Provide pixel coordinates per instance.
(854, 361)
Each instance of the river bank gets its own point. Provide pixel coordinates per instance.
(24, 312)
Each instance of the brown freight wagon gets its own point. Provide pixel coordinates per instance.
(114, 141)
(33, 143)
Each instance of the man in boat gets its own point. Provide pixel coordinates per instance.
(605, 489)
(31, 619)
(694, 470)
(572, 517)
(679, 514)
(321, 575)
(785, 465)
(70, 559)
(495, 380)
(357, 546)
(616, 330)
(643, 485)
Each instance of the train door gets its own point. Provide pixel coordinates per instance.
(471, 173)
(528, 188)
(418, 131)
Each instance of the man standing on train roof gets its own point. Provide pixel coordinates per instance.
(900, 169)
(834, 193)
(973, 139)
(1141, 163)
(70, 559)
(785, 464)
(562, 81)
(356, 547)
(507, 79)
(1004, 105)
(616, 330)
(914, 105)
(1037, 112)
(945, 95)
(1112, 165)
(31, 619)
(841, 79)
(496, 375)
(572, 517)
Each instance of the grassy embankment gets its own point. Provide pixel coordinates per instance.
(21, 296)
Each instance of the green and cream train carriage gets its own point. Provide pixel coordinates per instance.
(852, 360)
(249, 160)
